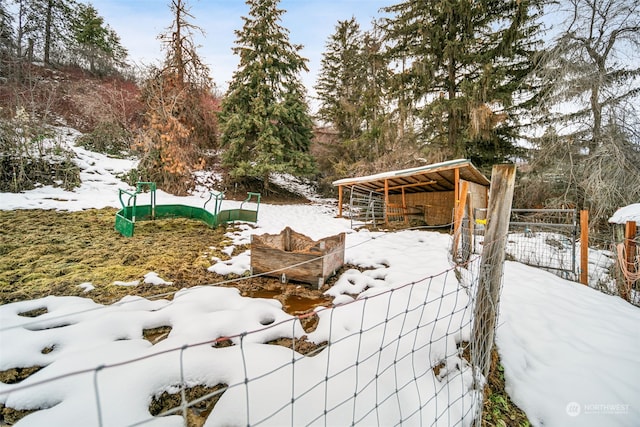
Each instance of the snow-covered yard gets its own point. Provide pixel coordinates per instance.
(570, 353)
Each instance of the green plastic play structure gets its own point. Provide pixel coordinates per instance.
(131, 212)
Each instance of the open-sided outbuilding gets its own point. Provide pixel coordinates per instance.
(429, 193)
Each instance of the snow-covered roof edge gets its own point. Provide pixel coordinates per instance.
(626, 214)
(391, 174)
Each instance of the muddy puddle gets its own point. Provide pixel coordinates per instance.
(292, 303)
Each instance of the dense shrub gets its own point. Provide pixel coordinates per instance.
(31, 156)
(107, 138)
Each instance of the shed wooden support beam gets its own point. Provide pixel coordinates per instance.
(456, 187)
(457, 218)
(402, 187)
(339, 201)
(386, 200)
(404, 207)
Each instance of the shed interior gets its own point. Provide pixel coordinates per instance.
(427, 193)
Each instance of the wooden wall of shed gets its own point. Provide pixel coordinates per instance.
(479, 196)
(437, 205)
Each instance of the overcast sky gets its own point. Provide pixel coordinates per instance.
(310, 23)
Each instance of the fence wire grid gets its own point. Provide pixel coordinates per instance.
(550, 239)
(410, 361)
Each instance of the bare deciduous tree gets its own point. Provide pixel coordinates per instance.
(592, 75)
(180, 109)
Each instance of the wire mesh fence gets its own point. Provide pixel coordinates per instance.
(543, 238)
(551, 239)
(405, 355)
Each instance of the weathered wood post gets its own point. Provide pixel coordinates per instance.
(584, 247)
(491, 269)
(628, 263)
(461, 200)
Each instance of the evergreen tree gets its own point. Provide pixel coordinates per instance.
(45, 28)
(340, 83)
(180, 115)
(98, 44)
(350, 89)
(7, 41)
(265, 122)
(462, 64)
(378, 131)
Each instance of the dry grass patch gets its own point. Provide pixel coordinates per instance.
(51, 253)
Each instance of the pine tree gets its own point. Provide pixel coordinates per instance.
(45, 27)
(7, 41)
(265, 123)
(462, 64)
(341, 80)
(350, 88)
(378, 130)
(98, 44)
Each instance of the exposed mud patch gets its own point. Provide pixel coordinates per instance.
(301, 345)
(197, 413)
(34, 313)
(16, 375)
(155, 335)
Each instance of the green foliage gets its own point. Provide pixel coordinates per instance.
(32, 156)
(351, 89)
(264, 119)
(340, 84)
(108, 138)
(498, 409)
(97, 43)
(45, 30)
(463, 68)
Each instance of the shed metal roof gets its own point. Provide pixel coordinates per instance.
(434, 177)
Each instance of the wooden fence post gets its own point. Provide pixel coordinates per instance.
(461, 201)
(584, 247)
(630, 229)
(491, 266)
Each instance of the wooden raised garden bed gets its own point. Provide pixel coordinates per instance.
(294, 256)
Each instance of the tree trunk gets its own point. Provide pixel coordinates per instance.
(47, 33)
(452, 140)
(177, 42)
(265, 183)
